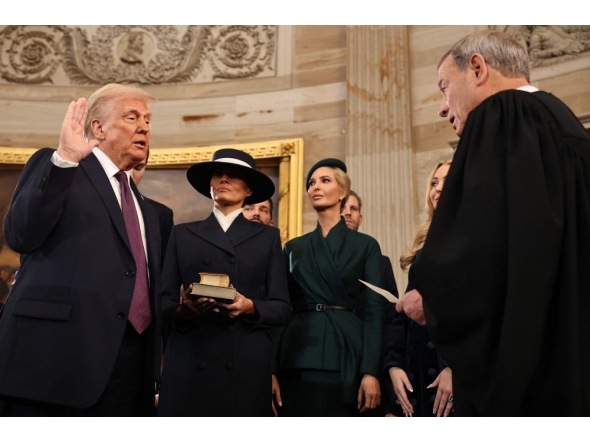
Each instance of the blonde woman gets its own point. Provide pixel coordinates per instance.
(327, 359)
(421, 379)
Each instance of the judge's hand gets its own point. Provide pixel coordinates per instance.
(401, 383)
(72, 145)
(190, 308)
(444, 382)
(369, 395)
(240, 306)
(411, 304)
(276, 394)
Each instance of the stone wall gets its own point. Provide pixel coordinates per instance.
(223, 85)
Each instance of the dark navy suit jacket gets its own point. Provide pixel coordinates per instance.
(64, 320)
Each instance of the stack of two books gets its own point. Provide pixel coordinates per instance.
(214, 286)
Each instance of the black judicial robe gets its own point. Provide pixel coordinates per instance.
(327, 271)
(505, 270)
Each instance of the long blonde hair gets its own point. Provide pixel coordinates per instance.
(422, 229)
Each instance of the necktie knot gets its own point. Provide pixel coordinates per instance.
(121, 176)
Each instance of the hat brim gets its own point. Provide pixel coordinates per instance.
(262, 186)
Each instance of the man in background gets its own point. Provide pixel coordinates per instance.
(260, 212)
(504, 270)
(165, 214)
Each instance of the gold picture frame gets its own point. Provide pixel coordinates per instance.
(286, 154)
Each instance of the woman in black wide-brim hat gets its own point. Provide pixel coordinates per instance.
(217, 360)
(326, 359)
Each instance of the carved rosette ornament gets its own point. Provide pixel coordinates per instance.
(95, 55)
(237, 52)
(549, 45)
(28, 56)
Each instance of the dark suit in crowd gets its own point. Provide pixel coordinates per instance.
(166, 219)
(65, 341)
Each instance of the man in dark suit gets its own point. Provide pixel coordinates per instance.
(353, 217)
(79, 335)
(504, 269)
(165, 214)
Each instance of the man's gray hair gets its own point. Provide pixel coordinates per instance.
(500, 50)
(102, 97)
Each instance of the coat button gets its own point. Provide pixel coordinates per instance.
(130, 273)
(206, 261)
(229, 365)
(430, 345)
(231, 328)
(232, 260)
(431, 372)
(121, 315)
(201, 365)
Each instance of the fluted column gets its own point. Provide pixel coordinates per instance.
(379, 152)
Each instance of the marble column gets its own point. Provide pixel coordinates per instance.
(379, 152)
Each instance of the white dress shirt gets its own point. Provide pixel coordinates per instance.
(528, 88)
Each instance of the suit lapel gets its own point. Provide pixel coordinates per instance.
(242, 229)
(324, 260)
(210, 231)
(95, 172)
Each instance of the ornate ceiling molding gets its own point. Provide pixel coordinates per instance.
(147, 55)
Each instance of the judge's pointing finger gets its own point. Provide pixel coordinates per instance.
(411, 304)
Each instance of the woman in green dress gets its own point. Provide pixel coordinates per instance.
(326, 360)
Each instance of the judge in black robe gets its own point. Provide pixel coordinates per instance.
(504, 271)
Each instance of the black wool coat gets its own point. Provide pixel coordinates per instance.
(214, 365)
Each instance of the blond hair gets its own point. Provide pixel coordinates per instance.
(99, 101)
(344, 183)
(422, 229)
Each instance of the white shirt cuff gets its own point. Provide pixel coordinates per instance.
(62, 163)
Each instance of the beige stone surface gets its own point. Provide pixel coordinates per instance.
(308, 97)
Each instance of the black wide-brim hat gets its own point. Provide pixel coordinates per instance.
(200, 174)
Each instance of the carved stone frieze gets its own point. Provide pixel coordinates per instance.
(95, 55)
(241, 51)
(549, 45)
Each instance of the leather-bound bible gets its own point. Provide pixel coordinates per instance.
(214, 286)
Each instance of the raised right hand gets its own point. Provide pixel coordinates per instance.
(72, 145)
(401, 383)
